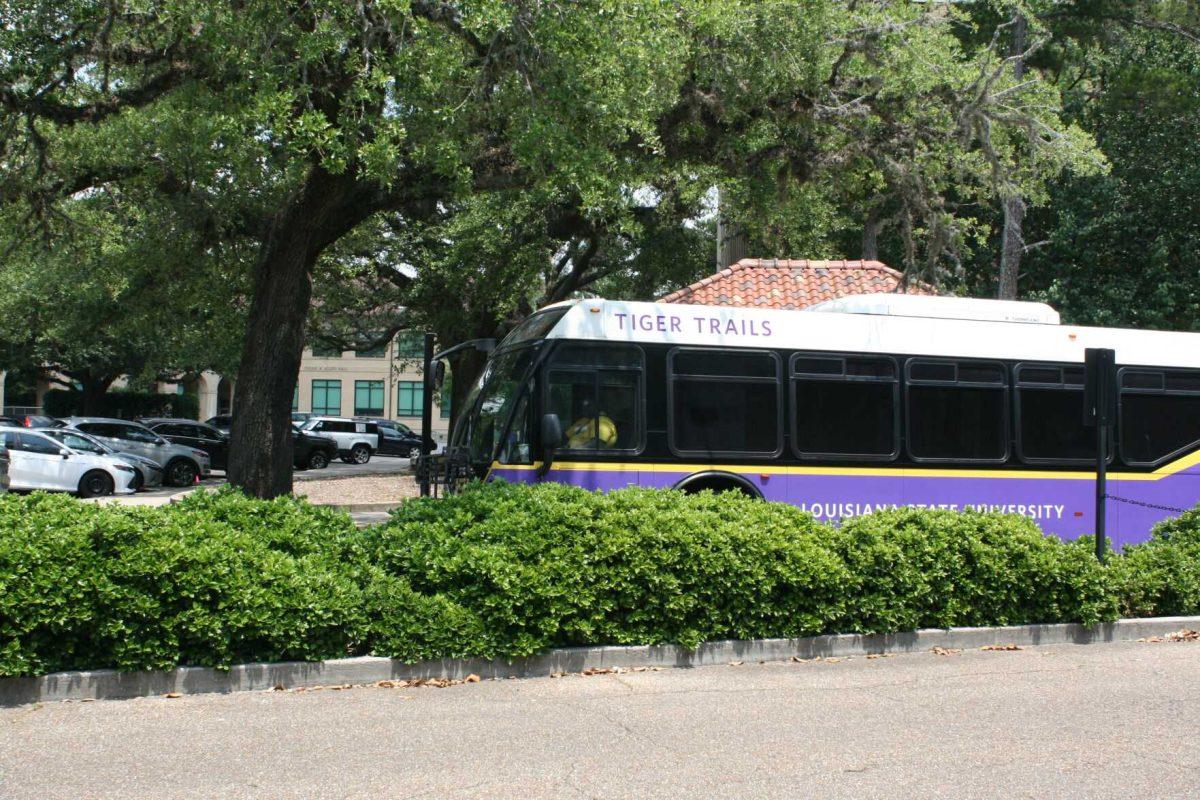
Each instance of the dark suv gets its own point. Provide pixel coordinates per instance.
(193, 434)
(395, 438)
(310, 451)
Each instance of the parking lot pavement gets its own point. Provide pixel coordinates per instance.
(1099, 721)
(380, 465)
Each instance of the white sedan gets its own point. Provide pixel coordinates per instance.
(38, 462)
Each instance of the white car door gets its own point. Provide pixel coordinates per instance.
(21, 472)
(43, 459)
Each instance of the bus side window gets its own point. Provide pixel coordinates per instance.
(957, 411)
(724, 402)
(1160, 415)
(596, 393)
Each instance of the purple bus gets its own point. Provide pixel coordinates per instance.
(854, 405)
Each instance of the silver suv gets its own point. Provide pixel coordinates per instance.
(182, 465)
(357, 441)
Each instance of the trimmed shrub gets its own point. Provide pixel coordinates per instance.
(1161, 577)
(555, 565)
(205, 581)
(123, 405)
(919, 568)
(508, 571)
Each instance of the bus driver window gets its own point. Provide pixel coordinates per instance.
(595, 392)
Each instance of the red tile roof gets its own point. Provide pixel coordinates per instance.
(791, 284)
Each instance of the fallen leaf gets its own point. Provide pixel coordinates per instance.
(945, 651)
(386, 684)
(472, 678)
(170, 695)
(1001, 647)
(1185, 635)
(735, 663)
(279, 687)
(598, 671)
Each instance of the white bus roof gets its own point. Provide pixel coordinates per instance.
(833, 329)
(917, 305)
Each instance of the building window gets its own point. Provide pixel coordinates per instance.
(1160, 415)
(408, 398)
(321, 350)
(410, 344)
(296, 398)
(372, 352)
(957, 411)
(368, 398)
(596, 393)
(724, 402)
(327, 397)
(846, 407)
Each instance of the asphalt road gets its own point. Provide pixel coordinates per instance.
(379, 465)
(1101, 721)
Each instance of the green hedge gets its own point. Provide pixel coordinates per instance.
(123, 405)
(511, 570)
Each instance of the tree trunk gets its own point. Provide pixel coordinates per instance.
(870, 236)
(467, 368)
(1013, 246)
(324, 208)
(92, 388)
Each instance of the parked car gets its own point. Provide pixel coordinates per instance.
(149, 473)
(395, 438)
(356, 440)
(300, 417)
(38, 421)
(191, 433)
(222, 422)
(3, 466)
(182, 465)
(310, 451)
(38, 462)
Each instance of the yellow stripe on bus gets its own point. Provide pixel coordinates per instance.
(906, 472)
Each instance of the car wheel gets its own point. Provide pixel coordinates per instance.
(181, 472)
(360, 454)
(137, 481)
(411, 452)
(318, 459)
(95, 484)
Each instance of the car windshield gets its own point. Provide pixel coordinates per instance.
(78, 442)
(491, 401)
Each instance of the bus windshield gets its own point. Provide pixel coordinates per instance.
(492, 400)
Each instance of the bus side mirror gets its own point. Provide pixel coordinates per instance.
(552, 439)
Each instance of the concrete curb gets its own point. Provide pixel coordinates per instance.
(109, 684)
(350, 508)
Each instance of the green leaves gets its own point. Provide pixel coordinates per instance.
(509, 571)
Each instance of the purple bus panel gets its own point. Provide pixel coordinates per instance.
(1063, 504)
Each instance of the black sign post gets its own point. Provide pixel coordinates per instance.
(427, 415)
(1100, 409)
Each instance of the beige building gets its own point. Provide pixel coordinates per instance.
(386, 382)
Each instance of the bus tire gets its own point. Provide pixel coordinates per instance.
(717, 481)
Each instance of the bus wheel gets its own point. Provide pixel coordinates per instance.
(717, 482)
